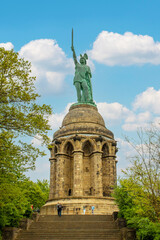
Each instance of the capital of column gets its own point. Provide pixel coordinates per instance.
(111, 156)
(78, 151)
(61, 154)
(52, 159)
(96, 152)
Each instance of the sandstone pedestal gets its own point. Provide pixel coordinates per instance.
(83, 164)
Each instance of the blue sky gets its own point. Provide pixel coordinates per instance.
(122, 39)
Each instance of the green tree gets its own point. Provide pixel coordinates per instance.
(19, 111)
(20, 114)
(17, 198)
(138, 194)
(36, 193)
(21, 118)
(145, 165)
(135, 206)
(44, 186)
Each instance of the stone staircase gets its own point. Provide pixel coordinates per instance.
(71, 227)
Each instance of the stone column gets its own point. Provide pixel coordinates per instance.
(78, 173)
(52, 178)
(112, 170)
(115, 171)
(97, 173)
(60, 176)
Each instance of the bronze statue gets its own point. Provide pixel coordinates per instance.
(82, 78)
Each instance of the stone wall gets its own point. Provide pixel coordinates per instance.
(84, 167)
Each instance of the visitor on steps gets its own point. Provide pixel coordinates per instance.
(59, 209)
(84, 210)
(93, 207)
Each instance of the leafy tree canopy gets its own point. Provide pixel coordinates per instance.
(21, 118)
(19, 111)
(145, 165)
(17, 197)
(138, 194)
(136, 207)
(20, 115)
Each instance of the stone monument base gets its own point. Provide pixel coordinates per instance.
(74, 206)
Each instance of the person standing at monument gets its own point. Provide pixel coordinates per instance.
(59, 209)
(82, 78)
(84, 210)
(93, 207)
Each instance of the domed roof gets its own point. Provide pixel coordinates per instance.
(83, 118)
(83, 114)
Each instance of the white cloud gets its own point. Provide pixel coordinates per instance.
(37, 140)
(7, 46)
(141, 117)
(148, 100)
(125, 147)
(49, 64)
(56, 80)
(116, 49)
(156, 122)
(126, 151)
(113, 112)
(136, 121)
(55, 120)
(134, 126)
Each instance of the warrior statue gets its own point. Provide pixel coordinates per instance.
(82, 78)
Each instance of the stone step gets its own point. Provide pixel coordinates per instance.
(86, 237)
(70, 236)
(70, 231)
(72, 227)
(75, 218)
(70, 224)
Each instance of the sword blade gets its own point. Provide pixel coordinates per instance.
(72, 37)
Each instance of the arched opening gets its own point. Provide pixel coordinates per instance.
(105, 170)
(87, 148)
(55, 150)
(69, 148)
(105, 150)
(87, 169)
(68, 169)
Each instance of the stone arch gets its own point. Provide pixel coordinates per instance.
(88, 149)
(68, 168)
(105, 170)
(68, 144)
(105, 149)
(68, 148)
(55, 149)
